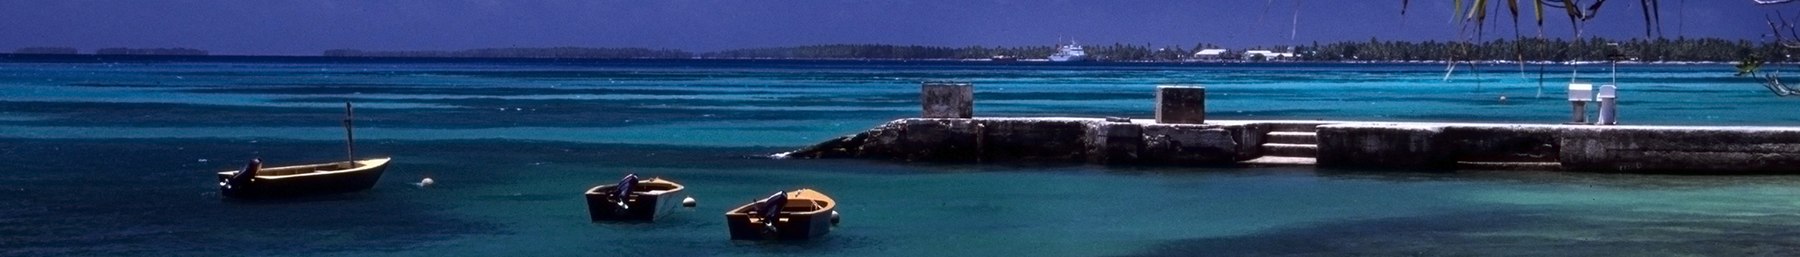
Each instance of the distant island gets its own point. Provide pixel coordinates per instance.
(551, 52)
(878, 51)
(47, 50)
(151, 51)
(178, 51)
(1373, 50)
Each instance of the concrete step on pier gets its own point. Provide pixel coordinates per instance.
(1281, 161)
(1293, 127)
(1289, 143)
(1290, 150)
(1292, 137)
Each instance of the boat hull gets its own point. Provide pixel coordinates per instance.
(644, 206)
(796, 227)
(803, 225)
(318, 182)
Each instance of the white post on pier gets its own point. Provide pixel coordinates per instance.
(1609, 104)
(1580, 92)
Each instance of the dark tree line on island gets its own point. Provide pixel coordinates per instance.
(1590, 49)
(1114, 52)
(541, 53)
(839, 51)
(1527, 49)
(47, 50)
(1593, 49)
(149, 51)
(111, 51)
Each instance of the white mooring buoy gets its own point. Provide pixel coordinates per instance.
(689, 202)
(834, 218)
(426, 182)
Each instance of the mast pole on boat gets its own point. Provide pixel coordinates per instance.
(1614, 59)
(349, 136)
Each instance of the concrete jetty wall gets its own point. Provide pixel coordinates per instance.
(1035, 139)
(1622, 149)
(1360, 145)
(1682, 149)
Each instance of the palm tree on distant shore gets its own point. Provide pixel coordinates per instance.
(1476, 11)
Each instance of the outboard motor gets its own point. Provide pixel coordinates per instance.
(771, 210)
(622, 191)
(243, 177)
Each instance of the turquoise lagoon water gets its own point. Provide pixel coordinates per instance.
(115, 158)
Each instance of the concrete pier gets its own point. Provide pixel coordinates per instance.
(1408, 146)
(1033, 139)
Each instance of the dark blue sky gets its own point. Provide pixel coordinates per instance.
(306, 27)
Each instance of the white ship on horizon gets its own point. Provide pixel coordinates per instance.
(1068, 53)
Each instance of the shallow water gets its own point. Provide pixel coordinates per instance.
(115, 158)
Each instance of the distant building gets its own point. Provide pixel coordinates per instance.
(1211, 54)
(45, 50)
(1268, 55)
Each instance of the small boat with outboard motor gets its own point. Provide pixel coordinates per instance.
(301, 180)
(254, 181)
(634, 199)
(798, 215)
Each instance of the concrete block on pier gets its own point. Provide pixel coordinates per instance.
(947, 100)
(1384, 146)
(1181, 104)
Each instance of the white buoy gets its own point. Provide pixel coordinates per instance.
(834, 218)
(689, 202)
(426, 182)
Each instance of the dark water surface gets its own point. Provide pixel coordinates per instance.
(115, 157)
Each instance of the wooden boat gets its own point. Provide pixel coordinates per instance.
(646, 200)
(350, 175)
(301, 180)
(801, 214)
